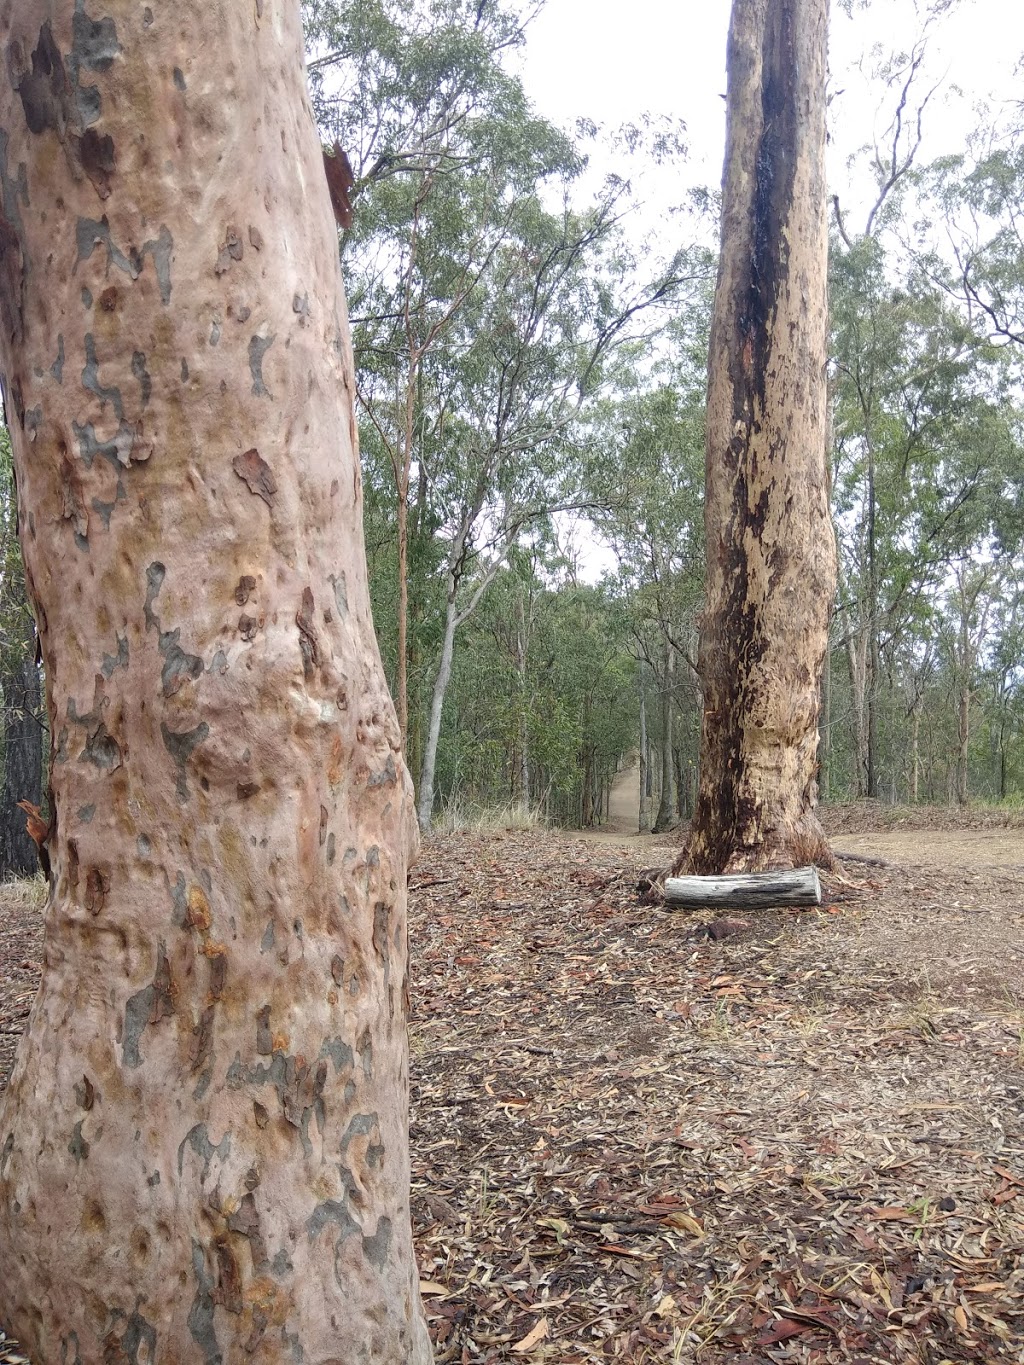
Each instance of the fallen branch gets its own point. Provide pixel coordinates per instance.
(746, 891)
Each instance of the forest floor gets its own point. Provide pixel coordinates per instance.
(641, 1135)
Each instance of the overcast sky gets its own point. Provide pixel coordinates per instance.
(611, 61)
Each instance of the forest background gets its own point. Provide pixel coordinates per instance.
(530, 306)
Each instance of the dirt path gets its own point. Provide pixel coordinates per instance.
(993, 849)
(624, 802)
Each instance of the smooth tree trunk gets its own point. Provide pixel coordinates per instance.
(203, 1146)
(667, 815)
(23, 755)
(644, 819)
(771, 563)
(425, 794)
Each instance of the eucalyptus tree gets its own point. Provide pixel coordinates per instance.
(203, 1145)
(923, 438)
(770, 548)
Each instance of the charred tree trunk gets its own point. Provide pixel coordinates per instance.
(203, 1147)
(771, 549)
(23, 755)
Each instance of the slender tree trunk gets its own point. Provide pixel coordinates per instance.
(825, 729)
(963, 735)
(644, 823)
(523, 765)
(23, 756)
(425, 794)
(873, 669)
(203, 1146)
(915, 751)
(667, 815)
(770, 544)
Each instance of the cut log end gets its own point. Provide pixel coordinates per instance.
(745, 891)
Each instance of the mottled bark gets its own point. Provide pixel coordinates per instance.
(23, 755)
(770, 547)
(203, 1147)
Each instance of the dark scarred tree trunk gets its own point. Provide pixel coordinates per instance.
(771, 551)
(23, 754)
(203, 1147)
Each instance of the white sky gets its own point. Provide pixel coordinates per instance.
(610, 62)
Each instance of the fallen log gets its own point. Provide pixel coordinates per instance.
(746, 891)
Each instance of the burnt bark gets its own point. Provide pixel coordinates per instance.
(203, 1146)
(770, 546)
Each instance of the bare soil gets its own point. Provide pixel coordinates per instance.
(640, 1135)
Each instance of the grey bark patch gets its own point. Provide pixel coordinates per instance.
(179, 901)
(136, 1017)
(78, 1147)
(153, 1180)
(200, 1316)
(5, 1155)
(13, 261)
(268, 939)
(105, 510)
(231, 249)
(47, 95)
(179, 667)
(155, 575)
(92, 232)
(160, 249)
(377, 1246)
(137, 1333)
(94, 42)
(85, 814)
(98, 158)
(142, 375)
(359, 1125)
(332, 1213)
(386, 776)
(339, 1052)
(57, 368)
(184, 370)
(198, 1138)
(300, 305)
(143, 847)
(215, 332)
(91, 381)
(181, 745)
(112, 663)
(337, 582)
(102, 750)
(245, 1221)
(65, 1349)
(117, 451)
(86, 297)
(331, 849)
(258, 348)
(179, 79)
(264, 1039)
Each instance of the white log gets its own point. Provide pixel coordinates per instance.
(746, 891)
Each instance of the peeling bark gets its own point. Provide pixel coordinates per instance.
(203, 1147)
(770, 547)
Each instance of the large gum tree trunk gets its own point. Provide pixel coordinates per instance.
(203, 1148)
(771, 551)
